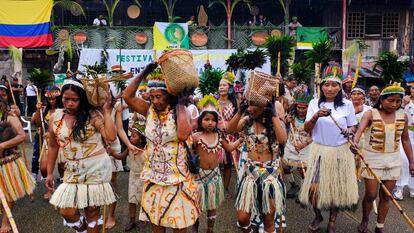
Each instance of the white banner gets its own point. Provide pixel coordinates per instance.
(134, 60)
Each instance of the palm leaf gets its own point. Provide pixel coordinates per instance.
(138, 3)
(285, 44)
(51, 52)
(301, 72)
(221, 2)
(392, 68)
(41, 78)
(209, 81)
(15, 53)
(69, 5)
(320, 53)
(234, 4)
(357, 45)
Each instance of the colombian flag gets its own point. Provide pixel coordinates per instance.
(25, 23)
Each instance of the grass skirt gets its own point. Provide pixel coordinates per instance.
(212, 188)
(15, 179)
(170, 206)
(80, 196)
(260, 189)
(330, 180)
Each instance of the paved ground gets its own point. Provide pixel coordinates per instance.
(40, 217)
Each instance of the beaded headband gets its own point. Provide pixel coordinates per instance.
(73, 82)
(394, 89)
(358, 89)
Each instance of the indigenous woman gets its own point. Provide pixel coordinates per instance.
(54, 102)
(358, 101)
(227, 109)
(169, 196)
(384, 126)
(79, 132)
(347, 86)
(297, 147)
(260, 188)
(15, 179)
(330, 181)
(406, 179)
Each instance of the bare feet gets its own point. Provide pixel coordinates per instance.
(110, 223)
(331, 227)
(363, 227)
(31, 197)
(47, 195)
(5, 225)
(314, 226)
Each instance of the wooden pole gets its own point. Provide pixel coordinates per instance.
(357, 70)
(8, 212)
(21, 146)
(382, 185)
(229, 24)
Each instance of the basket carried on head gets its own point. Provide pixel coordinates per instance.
(179, 71)
(96, 89)
(261, 88)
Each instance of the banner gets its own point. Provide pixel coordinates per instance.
(170, 35)
(305, 36)
(134, 60)
(25, 24)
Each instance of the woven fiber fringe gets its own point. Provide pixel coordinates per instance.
(247, 195)
(15, 180)
(330, 180)
(212, 193)
(80, 196)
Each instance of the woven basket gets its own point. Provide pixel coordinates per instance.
(96, 89)
(179, 71)
(261, 88)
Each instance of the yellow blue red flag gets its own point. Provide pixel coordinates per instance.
(25, 23)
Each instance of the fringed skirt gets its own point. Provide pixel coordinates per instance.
(135, 185)
(86, 183)
(387, 166)
(212, 188)
(260, 188)
(330, 181)
(15, 179)
(170, 206)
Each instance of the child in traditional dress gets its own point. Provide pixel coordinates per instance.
(385, 126)
(209, 143)
(136, 163)
(297, 146)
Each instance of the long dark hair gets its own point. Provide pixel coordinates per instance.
(378, 105)
(83, 114)
(338, 101)
(268, 124)
(9, 96)
(59, 104)
(200, 119)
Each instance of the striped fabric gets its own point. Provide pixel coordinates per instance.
(25, 24)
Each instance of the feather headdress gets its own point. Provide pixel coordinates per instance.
(156, 80)
(208, 103)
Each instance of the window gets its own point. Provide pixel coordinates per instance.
(390, 22)
(373, 25)
(356, 25)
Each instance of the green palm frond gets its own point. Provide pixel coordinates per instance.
(138, 3)
(392, 68)
(220, 2)
(15, 53)
(69, 49)
(285, 44)
(69, 5)
(120, 85)
(320, 53)
(209, 81)
(40, 78)
(301, 72)
(110, 9)
(236, 2)
(246, 60)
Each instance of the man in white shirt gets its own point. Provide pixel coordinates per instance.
(100, 21)
(31, 98)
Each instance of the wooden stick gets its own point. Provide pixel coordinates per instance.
(382, 185)
(357, 70)
(21, 145)
(8, 212)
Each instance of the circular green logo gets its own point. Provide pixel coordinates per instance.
(174, 33)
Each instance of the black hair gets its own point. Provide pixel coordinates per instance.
(232, 98)
(83, 114)
(268, 124)
(59, 104)
(142, 139)
(9, 96)
(379, 106)
(200, 119)
(338, 101)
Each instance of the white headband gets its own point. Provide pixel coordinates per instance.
(73, 82)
